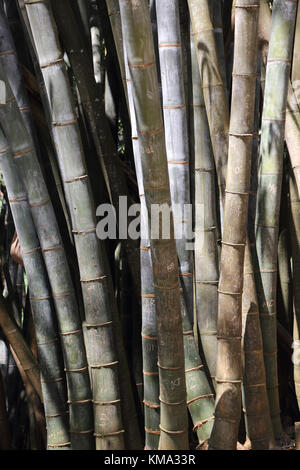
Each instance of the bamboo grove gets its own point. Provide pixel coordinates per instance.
(122, 329)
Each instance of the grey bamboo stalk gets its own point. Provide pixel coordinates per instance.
(149, 327)
(292, 126)
(79, 392)
(141, 59)
(16, 340)
(206, 252)
(199, 395)
(214, 90)
(51, 365)
(229, 361)
(96, 280)
(270, 176)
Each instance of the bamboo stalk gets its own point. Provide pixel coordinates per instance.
(254, 391)
(199, 397)
(149, 326)
(269, 189)
(49, 350)
(229, 364)
(292, 125)
(141, 60)
(95, 277)
(212, 83)
(79, 393)
(206, 253)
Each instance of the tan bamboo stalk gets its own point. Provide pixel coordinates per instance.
(254, 392)
(269, 189)
(258, 421)
(19, 345)
(138, 39)
(214, 90)
(229, 363)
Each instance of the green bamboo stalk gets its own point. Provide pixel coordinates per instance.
(269, 189)
(229, 363)
(52, 373)
(149, 326)
(79, 392)
(285, 278)
(141, 59)
(292, 125)
(214, 90)
(15, 338)
(96, 280)
(199, 397)
(206, 253)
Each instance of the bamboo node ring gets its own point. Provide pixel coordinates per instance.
(151, 431)
(150, 374)
(194, 368)
(70, 333)
(23, 152)
(15, 200)
(108, 364)
(208, 395)
(116, 433)
(97, 325)
(95, 279)
(103, 403)
(150, 338)
(80, 402)
(168, 368)
(82, 369)
(77, 178)
(167, 431)
(171, 404)
(201, 423)
(151, 405)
